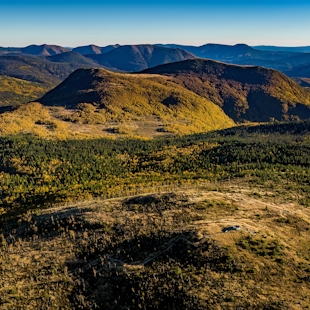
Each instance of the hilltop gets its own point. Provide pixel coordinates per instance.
(244, 93)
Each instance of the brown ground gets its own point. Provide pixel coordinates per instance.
(42, 264)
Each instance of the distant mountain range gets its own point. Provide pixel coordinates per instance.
(230, 53)
(293, 61)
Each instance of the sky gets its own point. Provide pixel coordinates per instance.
(190, 22)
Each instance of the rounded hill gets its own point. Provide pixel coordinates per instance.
(123, 97)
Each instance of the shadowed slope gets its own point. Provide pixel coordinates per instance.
(301, 71)
(244, 93)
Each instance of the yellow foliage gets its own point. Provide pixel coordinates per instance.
(31, 118)
(15, 91)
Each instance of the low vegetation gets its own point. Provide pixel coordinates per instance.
(15, 91)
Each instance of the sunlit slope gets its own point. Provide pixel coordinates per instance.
(15, 91)
(244, 93)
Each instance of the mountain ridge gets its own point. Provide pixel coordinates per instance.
(134, 58)
(287, 60)
(94, 49)
(44, 50)
(231, 53)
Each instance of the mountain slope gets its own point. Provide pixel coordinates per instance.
(139, 57)
(74, 59)
(129, 96)
(298, 60)
(16, 91)
(32, 68)
(244, 93)
(299, 66)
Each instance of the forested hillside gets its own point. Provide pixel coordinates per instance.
(37, 172)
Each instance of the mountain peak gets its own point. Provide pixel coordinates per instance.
(44, 50)
(94, 49)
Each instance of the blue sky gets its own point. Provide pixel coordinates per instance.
(76, 23)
